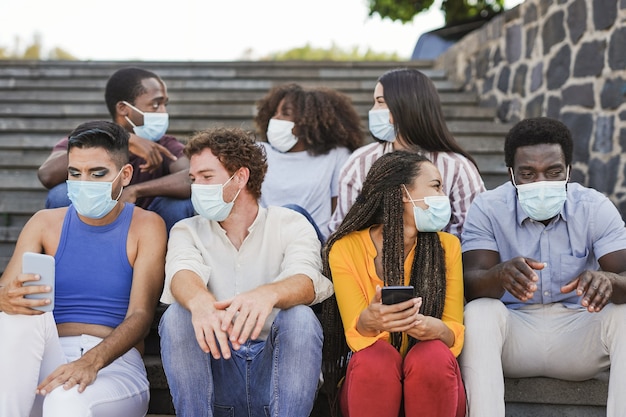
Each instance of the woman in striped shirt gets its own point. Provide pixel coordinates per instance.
(407, 115)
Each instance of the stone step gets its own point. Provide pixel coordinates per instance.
(174, 69)
(95, 96)
(201, 109)
(261, 84)
(524, 397)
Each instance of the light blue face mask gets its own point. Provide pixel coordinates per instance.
(208, 200)
(542, 200)
(379, 125)
(154, 124)
(435, 217)
(92, 199)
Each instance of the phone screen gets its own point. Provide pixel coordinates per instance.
(397, 294)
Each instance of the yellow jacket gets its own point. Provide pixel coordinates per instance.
(351, 261)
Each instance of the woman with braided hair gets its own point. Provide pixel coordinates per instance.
(402, 357)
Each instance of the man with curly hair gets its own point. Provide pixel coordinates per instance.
(238, 334)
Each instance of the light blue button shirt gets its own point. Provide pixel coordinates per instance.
(588, 227)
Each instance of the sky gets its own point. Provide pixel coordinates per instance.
(205, 30)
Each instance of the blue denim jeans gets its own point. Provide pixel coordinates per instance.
(170, 209)
(276, 377)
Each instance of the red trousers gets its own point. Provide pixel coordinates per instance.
(426, 383)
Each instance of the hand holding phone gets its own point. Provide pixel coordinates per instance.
(42, 265)
(397, 294)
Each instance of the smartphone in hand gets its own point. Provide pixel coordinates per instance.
(43, 265)
(397, 294)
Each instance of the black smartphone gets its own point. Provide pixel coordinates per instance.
(397, 293)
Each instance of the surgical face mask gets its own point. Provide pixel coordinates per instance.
(542, 200)
(379, 125)
(280, 136)
(435, 217)
(92, 199)
(154, 124)
(208, 200)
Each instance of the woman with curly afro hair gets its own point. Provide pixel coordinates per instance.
(309, 134)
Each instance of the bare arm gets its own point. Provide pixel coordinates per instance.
(598, 288)
(253, 307)
(614, 264)
(176, 184)
(485, 276)
(191, 292)
(54, 169)
(148, 274)
(12, 291)
(151, 152)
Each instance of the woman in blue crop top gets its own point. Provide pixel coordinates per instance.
(84, 358)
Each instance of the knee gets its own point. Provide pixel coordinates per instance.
(615, 323)
(431, 358)
(299, 319)
(379, 358)
(483, 310)
(65, 403)
(175, 324)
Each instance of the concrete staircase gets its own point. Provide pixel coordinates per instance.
(42, 101)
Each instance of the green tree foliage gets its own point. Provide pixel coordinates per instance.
(334, 53)
(399, 10)
(34, 51)
(455, 11)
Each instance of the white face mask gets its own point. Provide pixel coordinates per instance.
(208, 200)
(379, 125)
(542, 200)
(280, 136)
(154, 124)
(92, 199)
(435, 217)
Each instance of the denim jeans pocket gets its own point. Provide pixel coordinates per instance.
(223, 411)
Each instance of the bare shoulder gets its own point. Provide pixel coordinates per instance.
(42, 231)
(47, 220)
(147, 223)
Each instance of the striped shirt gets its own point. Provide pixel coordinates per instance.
(461, 182)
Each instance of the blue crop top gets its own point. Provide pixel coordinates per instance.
(93, 275)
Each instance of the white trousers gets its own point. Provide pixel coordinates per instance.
(540, 340)
(30, 349)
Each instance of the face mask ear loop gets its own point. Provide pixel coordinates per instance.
(512, 177)
(121, 189)
(407, 193)
(134, 108)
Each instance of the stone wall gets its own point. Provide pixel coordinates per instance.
(564, 59)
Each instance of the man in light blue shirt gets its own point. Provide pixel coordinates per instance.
(544, 263)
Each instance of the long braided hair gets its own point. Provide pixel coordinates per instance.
(380, 202)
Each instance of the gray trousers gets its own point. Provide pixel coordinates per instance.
(549, 340)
